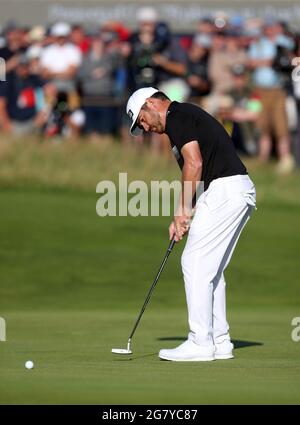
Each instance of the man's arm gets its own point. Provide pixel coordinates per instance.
(258, 63)
(173, 67)
(191, 176)
(197, 82)
(68, 74)
(5, 123)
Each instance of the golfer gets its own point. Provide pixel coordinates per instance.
(205, 153)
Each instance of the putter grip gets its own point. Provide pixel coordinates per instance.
(171, 245)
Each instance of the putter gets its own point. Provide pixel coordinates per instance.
(128, 349)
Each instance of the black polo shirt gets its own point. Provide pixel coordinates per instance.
(186, 122)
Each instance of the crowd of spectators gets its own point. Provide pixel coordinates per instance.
(68, 81)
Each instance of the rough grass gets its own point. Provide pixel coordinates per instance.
(78, 165)
(81, 165)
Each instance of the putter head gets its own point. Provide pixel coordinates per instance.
(121, 351)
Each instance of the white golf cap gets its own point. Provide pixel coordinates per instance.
(134, 104)
(147, 14)
(60, 29)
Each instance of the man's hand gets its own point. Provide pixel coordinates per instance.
(179, 227)
(159, 59)
(191, 175)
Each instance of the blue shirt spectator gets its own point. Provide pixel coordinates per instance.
(20, 92)
(264, 76)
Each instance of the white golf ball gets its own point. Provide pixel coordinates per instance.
(29, 364)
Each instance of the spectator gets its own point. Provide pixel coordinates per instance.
(226, 51)
(79, 39)
(117, 48)
(171, 67)
(272, 119)
(206, 27)
(296, 92)
(97, 81)
(19, 101)
(197, 67)
(285, 45)
(37, 35)
(61, 121)
(170, 59)
(208, 67)
(34, 55)
(60, 60)
(156, 59)
(14, 47)
(143, 44)
(116, 37)
(244, 112)
(155, 55)
(117, 27)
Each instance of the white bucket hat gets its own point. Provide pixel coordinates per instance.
(134, 104)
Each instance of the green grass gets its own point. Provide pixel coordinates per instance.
(72, 284)
(71, 351)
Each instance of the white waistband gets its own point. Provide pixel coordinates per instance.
(231, 184)
(231, 180)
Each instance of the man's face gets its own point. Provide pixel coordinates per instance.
(61, 40)
(97, 45)
(150, 119)
(147, 26)
(14, 37)
(77, 35)
(269, 31)
(22, 70)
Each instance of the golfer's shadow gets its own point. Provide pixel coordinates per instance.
(236, 342)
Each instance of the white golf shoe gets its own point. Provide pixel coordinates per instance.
(188, 352)
(223, 350)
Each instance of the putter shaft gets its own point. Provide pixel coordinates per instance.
(169, 250)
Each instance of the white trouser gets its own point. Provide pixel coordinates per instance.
(221, 213)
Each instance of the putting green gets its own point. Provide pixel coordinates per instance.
(72, 285)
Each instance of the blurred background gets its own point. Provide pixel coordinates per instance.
(71, 283)
(70, 68)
